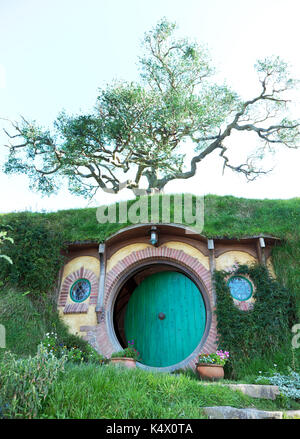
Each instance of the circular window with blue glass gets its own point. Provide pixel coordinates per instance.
(240, 288)
(80, 290)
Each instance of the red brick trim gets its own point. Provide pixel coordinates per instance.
(81, 273)
(156, 253)
(244, 306)
(76, 308)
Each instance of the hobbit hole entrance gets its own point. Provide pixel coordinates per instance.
(108, 291)
(163, 311)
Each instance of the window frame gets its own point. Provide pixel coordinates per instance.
(74, 284)
(247, 280)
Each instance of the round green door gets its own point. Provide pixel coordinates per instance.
(166, 318)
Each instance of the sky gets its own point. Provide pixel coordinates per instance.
(56, 54)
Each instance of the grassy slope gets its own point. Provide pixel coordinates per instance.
(27, 320)
(83, 392)
(224, 216)
(24, 324)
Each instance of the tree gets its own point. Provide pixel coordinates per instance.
(149, 129)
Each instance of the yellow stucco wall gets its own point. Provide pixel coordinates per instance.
(228, 259)
(190, 250)
(125, 251)
(74, 321)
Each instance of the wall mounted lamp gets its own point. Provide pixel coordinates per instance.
(153, 235)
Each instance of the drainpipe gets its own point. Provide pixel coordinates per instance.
(100, 299)
(212, 265)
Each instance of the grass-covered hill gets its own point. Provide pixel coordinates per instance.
(39, 237)
(224, 216)
(27, 292)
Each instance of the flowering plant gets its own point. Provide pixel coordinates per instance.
(129, 352)
(218, 357)
(73, 353)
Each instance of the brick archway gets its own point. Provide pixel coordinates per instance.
(124, 268)
(155, 253)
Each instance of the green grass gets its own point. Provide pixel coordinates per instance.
(89, 392)
(224, 216)
(238, 217)
(27, 320)
(24, 324)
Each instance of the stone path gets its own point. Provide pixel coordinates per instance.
(254, 391)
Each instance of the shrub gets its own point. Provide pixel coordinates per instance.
(72, 352)
(36, 253)
(289, 385)
(4, 237)
(265, 328)
(25, 383)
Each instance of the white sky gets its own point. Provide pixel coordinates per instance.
(54, 54)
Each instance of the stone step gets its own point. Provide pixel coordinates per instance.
(253, 390)
(227, 412)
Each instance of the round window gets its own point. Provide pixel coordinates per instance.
(240, 288)
(80, 290)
